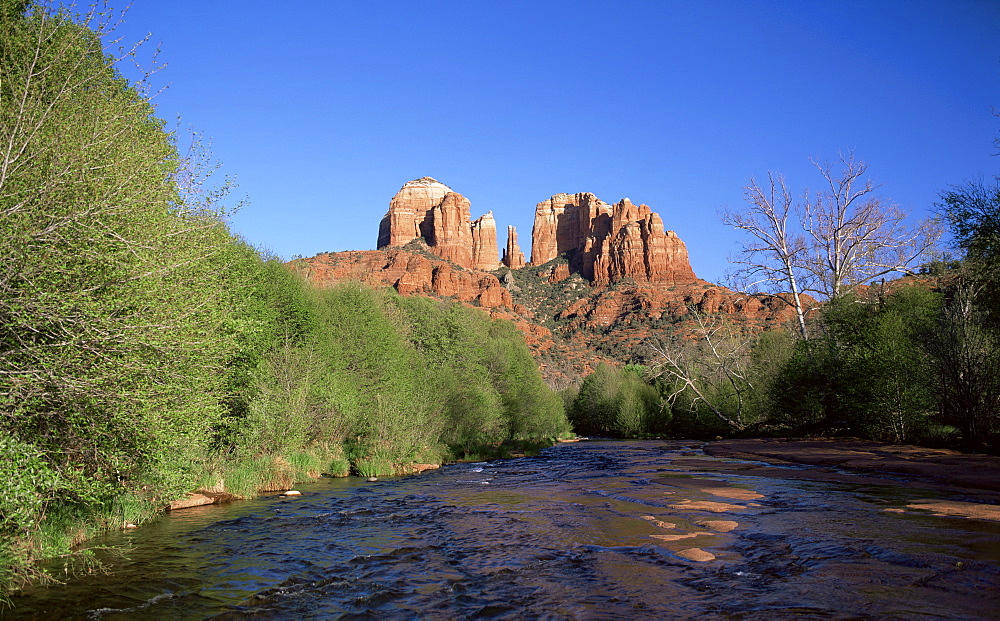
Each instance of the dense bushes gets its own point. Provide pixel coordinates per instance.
(619, 402)
(868, 372)
(112, 296)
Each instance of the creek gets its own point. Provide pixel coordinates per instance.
(600, 529)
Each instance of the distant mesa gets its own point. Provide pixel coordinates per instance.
(602, 243)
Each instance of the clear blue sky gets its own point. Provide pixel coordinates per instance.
(323, 109)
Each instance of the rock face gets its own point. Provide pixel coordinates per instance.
(563, 223)
(426, 208)
(512, 255)
(410, 212)
(605, 243)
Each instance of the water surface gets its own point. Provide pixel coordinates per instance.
(589, 530)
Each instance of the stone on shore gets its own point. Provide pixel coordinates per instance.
(199, 499)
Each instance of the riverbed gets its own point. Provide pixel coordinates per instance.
(590, 530)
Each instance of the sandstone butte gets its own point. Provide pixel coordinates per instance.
(602, 277)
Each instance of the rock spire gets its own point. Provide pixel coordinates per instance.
(512, 255)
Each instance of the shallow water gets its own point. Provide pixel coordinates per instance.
(586, 530)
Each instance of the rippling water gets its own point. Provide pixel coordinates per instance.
(588, 530)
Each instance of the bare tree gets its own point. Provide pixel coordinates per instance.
(775, 255)
(835, 240)
(855, 237)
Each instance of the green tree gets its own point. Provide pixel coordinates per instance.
(973, 213)
(885, 390)
(594, 408)
(618, 401)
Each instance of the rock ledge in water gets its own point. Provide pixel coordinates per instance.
(199, 499)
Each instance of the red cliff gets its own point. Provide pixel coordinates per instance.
(410, 273)
(484, 243)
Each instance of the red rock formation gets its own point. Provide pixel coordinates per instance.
(641, 282)
(426, 208)
(512, 255)
(564, 222)
(606, 244)
(484, 243)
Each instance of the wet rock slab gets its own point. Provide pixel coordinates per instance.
(837, 460)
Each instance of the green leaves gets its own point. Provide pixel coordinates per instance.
(618, 401)
(29, 484)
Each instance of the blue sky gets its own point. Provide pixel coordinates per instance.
(322, 110)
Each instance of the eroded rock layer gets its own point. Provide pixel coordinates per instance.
(409, 273)
(484, 243)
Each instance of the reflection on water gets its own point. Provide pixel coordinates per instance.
(588, 530)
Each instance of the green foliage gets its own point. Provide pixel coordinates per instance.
(869, 373)
(802, 392)
(771, 352)
(30, 484)
(113, 294)
(883, 366)
(973, 213)
(246, 476)
(110, 298)
(618, 402)
(491, 386)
